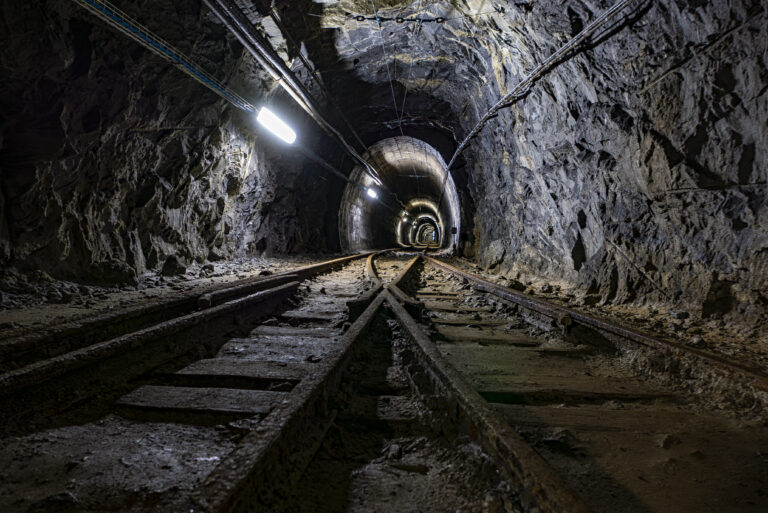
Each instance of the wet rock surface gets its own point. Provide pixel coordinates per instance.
(635, 170)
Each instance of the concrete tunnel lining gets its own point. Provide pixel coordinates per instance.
(416, 174)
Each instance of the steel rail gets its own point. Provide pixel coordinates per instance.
(236, 482)
(539, 487)
(104, 324)
(46, 370)
(758, 377)
(223, 295)
(55, 365)
(370, 270)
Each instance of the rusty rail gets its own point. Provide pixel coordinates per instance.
(235, 484)
(394, 285)
(539, 486)
(719, 363)
(46, 370)
(256, 291)
(302, 273)
(370, 270)
(58, 339)
(222, 296)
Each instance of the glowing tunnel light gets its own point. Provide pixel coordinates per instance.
(277, 126)
(372, 193)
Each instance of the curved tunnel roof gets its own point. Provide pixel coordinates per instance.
(416, 185)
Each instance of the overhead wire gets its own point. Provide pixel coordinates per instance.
(386, 61)
(123, 23)
(402, 108)
(522, 89)
(550, 62)
(242, 28)
(130, 27)
(398, 114)
(315, 78)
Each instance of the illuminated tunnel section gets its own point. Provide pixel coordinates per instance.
(413, 214)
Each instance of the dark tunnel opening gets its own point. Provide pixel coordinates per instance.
(416, 191)
(573, 200)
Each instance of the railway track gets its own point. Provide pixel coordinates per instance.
(380, 382)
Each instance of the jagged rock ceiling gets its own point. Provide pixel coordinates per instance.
(630, 169)
(635, 170)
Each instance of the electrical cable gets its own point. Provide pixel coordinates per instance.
(234, 19)
(120, 21)
(522, 89)
(314, 76)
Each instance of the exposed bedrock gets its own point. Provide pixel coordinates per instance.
(638, 169)
(635, 171)
(113, 161)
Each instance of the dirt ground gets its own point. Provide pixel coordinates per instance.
(110, 464)
(29, 302)
(738, 341)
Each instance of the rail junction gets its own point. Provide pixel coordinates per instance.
(330, 386)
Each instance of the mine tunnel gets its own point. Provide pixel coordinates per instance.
(384, 255)
(415, 175)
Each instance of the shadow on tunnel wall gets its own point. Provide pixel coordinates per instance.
(369, 104)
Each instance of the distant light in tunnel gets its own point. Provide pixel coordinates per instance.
(277, 126)
(372, 193)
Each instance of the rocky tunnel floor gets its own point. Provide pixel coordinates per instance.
(381, 429)
(622, 439)
(157, 443)
(384, 452)
(746, 342)
(30, 301)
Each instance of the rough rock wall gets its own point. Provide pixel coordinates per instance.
(638, 168)
(635, 171)
(111, 160)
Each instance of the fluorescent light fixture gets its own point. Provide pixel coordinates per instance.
(277, 126)
(372, 193)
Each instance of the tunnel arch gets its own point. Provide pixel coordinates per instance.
(415, 185)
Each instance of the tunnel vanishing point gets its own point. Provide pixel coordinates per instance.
(553, 192)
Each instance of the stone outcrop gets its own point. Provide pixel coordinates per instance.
(113, 161)
(635, 171)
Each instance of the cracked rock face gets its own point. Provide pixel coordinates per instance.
(634, 171)
(114, 162)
